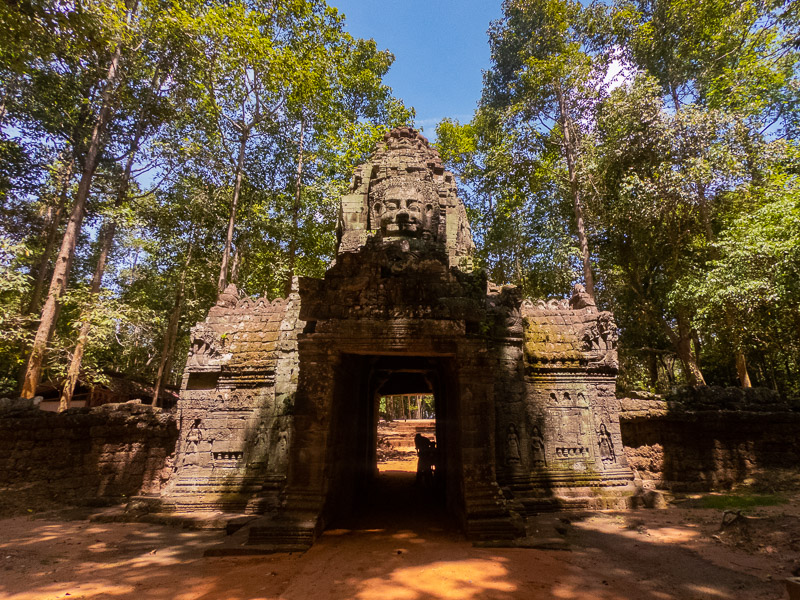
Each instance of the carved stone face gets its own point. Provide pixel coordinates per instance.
(403, 211)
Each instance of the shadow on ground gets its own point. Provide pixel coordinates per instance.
(396, 545)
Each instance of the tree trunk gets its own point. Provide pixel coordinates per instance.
(652, 364)
(56, 214)
(570, 152)
(292, 251)
(171, 333)
(106, 240)
(237, 255)
(58, 284)
(106, 243)
(222, 283)
(54, 218)
(682, 342)
(10, 84)
(741, 370)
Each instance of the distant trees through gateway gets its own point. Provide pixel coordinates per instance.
(407, 406)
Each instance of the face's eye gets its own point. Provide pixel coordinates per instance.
(412, 205)
(391, 204)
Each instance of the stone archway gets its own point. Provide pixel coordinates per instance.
(277, 407)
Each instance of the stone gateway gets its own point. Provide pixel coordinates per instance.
(279, 403)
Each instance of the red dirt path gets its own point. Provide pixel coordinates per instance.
(388, 552)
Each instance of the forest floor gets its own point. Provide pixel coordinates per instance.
(398, 547)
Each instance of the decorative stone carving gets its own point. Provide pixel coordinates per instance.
(229, 297)
(513, 458)
(404, 195)
(207, 347)
(599, 338)
(606, 446)
(538, 456)
(580, 298)
(406, 208)
(192, 444)
(570, 423)
(600, 335)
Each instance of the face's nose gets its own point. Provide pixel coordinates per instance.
(402, 216)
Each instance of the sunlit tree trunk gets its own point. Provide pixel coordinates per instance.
(106, 237)
(106, 243)
(741, 370)
(55, 213)
(292, 251)
(55, 216)
(570, 153)
(222, 282)
(164, 365)
(58, 284)
(682, 342)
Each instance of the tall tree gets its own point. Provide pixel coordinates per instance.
(65, 257)
(146, 121)
(545, 80)
(718, 58)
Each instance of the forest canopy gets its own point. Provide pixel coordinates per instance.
(647, 148)
(152, 153)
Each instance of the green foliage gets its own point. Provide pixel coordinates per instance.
(739, 501)
(750, 296)
(684, 166)
(522, 237)
(195, 79)
(14, 284)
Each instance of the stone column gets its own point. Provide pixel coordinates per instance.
(485, 511)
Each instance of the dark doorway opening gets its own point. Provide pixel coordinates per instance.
(370, 493)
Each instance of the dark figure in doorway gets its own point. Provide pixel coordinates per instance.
(426, 460)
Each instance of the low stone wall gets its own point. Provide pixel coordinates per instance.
(82, 455)
(710, 440)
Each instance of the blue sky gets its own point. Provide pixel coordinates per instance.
(440, 48)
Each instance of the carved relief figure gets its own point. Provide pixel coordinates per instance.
(280, 457)
(537, 448)
(580, 298)
(464, 243)
(193, 438)
(607, 332)
(606, 445)
(600, 335)
(512, 447)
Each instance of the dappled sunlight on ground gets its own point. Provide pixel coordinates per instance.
(461, 580)
(399, 466)
(397, 548)
(633, 528)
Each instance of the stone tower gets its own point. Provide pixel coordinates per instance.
(278, 408)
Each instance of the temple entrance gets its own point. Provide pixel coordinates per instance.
(394, 432)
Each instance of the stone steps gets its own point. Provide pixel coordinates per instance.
(400, 434)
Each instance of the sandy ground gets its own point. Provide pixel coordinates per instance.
(398, 547)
